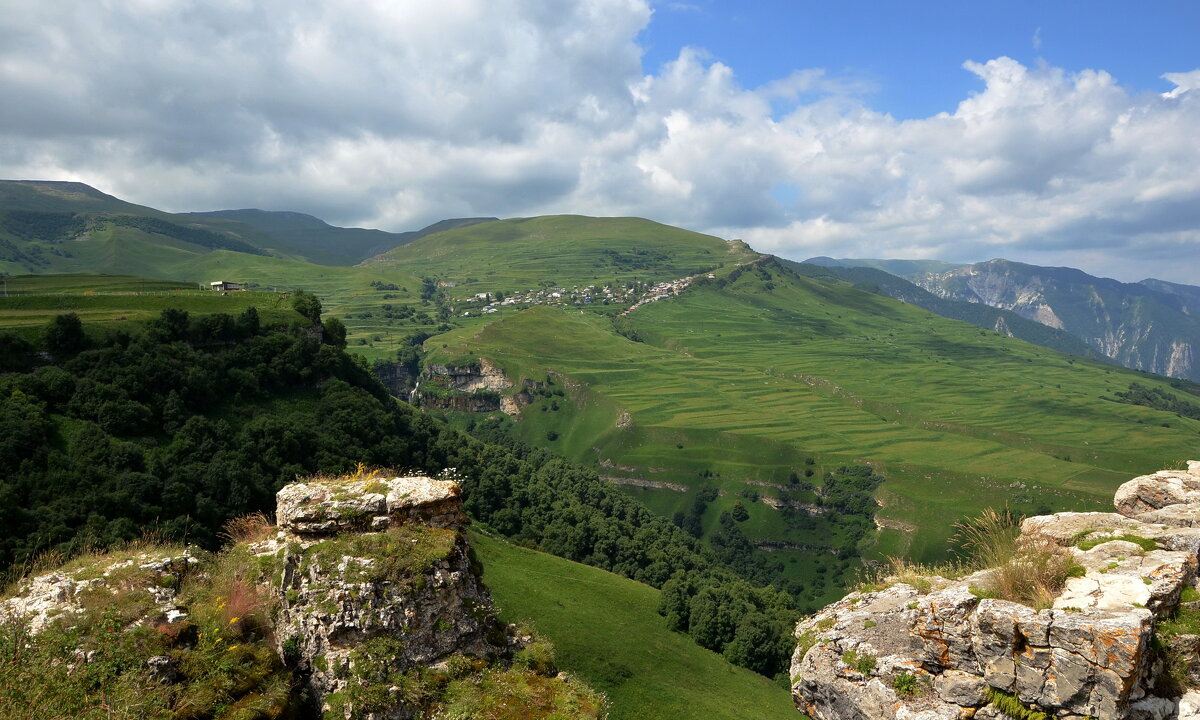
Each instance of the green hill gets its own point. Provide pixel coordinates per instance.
(606, 629)
(563, 250)
(742, 382)
(881, 282)
(305, 236)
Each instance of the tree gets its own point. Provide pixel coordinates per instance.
(308, 305)
(335, 333)
(64, 336)
(739, 512)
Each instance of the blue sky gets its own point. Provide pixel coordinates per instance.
(912, 53)
(1042, 132)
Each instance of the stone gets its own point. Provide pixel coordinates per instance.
(960, 688)
(162, 669)
(1087, 656)
(1157, 490)
(327, 507)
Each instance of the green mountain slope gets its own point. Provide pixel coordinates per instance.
(737, 384)
(1005, 322)
(305, 236)
(1132, 323)
(606, 630)
(563, 250)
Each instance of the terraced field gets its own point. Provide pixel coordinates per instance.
(737, 386)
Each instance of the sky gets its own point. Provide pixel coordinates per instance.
(1054, 133)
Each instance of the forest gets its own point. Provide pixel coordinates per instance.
(195, 420)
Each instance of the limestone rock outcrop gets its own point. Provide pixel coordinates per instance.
(1109, 645)
(376, 579)
(364, 602)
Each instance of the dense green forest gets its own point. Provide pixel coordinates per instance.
(199, 419)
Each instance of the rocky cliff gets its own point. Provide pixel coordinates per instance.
(1116, 639)
(1149, 326)
(363, 603)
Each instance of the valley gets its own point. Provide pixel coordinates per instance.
(785, 419)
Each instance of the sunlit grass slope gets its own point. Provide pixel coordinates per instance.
(605, 629)
(122, 301)
(566, 250)
(742, 383)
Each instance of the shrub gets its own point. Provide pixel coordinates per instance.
(247, 528)
(1031, 571)
(906, 685)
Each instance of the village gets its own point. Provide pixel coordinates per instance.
(639, 293)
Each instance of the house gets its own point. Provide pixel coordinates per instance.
(223, 285)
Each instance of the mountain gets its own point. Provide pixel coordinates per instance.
(50, 226)
(312, 238)
(1189, 294)
(706, 379)
(1004, 322)
(1149, 326)
(895, 267)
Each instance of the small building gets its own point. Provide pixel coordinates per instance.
(223, 285)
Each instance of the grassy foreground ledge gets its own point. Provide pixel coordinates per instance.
(606, 629)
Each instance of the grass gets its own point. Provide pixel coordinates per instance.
(122, 302)
(1012, 707)
(1143, 542)
(607, 631)
(746, 382)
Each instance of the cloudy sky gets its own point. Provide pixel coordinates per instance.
(1063, 135)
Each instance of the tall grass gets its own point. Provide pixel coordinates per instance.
(1031, 571)
(1028, 570)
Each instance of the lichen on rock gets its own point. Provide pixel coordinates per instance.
(1114, 643)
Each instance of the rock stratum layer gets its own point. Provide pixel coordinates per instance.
(1114, 643)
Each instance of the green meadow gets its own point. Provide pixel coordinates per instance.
(606, 630)
(756, 384)
(737, 386)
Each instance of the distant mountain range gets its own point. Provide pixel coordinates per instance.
(326, 244)
(1152, 325)
(41, 220)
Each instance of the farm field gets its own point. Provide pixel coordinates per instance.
(121, 301)
(591, 616)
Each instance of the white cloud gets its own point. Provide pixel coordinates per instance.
(397, 114)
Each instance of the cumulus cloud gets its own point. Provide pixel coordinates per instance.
(397, 114)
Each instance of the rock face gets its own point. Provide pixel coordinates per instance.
(476, 388)
(1108, 646)
(376, 579)
(369, 593)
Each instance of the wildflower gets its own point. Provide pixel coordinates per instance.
(232, 620)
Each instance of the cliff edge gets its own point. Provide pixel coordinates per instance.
(1117, 637)
(363, 603)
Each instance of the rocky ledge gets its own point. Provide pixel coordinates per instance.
(376, 567)
(1117, 641)
(364, 602)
